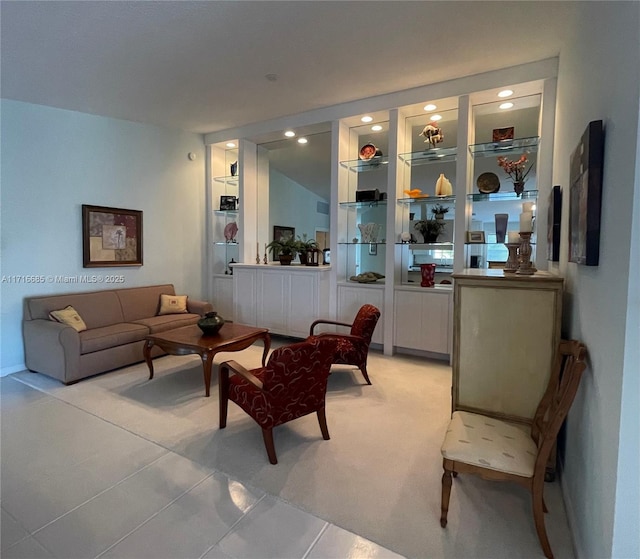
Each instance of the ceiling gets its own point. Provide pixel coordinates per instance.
(201, 66)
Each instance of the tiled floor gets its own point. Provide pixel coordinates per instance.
(77, 486)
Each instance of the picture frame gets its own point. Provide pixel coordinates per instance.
(111, 237)
(585, 196)
(475, 237)
(553, 224)
(228, 203)
(280, 232)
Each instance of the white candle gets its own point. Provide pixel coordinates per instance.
(513, 236)
(528, 206)
(526, 219)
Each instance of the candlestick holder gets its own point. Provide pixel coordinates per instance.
(258, 258)
(512, 263)
(264, 258)
(525, 266)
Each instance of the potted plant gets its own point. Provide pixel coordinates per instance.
(304, 246)
(430, 229)
(438, 211)
(284, 250)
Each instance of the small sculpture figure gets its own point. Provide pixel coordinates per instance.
(234, 169)
(433, 134)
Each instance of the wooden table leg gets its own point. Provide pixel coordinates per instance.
(267, 345)
(207, 362)
(146, 351)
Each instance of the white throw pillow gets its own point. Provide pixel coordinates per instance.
(173, 304)
(70, 317)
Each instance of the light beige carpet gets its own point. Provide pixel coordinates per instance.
(379, 475)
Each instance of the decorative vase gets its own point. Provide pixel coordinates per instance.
(234, 168)
(369, 232)
(443, 186)
(501, 226)
(428, 272)
(211, 323)
(518, 186)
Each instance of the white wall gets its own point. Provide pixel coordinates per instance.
(53, 161)
(599, 79)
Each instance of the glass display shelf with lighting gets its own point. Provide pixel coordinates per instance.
(490, 149)
(231, 180)
(361, 205)
(363, 165)
(425, 157)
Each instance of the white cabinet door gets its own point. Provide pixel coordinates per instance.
(273, 300)
(244, 296)
(223, 296)
(422, 321)
(303, 303)
(350, 299)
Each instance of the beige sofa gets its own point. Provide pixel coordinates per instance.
(117, 323)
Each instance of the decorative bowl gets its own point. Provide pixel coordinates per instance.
(211, 323)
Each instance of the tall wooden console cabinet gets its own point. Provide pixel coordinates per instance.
(506, 330)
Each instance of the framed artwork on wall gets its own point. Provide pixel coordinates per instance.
(475, 237)
(553, 224)
(111, 237)
(281, 233)
(586, 196)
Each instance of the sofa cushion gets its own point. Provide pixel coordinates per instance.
(70, 317)
(166, 322)
(142, 302)
(97, 308)
(97, 339)
(172, 304)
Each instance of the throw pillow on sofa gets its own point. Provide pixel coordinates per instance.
(70, 317)
(173, 304)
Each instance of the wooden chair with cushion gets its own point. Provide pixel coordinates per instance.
(291, 385)
(352, 348)
(503, 451)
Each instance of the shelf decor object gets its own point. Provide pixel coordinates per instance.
(585, 196)
(427, 273)
(511, 266)
(432, 134)
(488, 183)
(517, 171)
(501, 226)
(525, 266)
(443, 186)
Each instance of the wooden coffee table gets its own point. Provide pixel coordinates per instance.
(189, 340)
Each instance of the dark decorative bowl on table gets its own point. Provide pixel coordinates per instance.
(211, 323)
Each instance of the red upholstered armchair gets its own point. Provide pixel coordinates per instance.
(293, 384)
(352, 348)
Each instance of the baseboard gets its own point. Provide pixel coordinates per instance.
(13, 369)
(569, 509)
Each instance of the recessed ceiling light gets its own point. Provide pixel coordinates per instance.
(506, 105)
(430, 107)
(505, 93)
(366, 118)
(376, 128)
(435, 118)
(230, 145)
(302, 140)
(289, 133)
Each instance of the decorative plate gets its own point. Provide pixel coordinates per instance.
(488, 183)
(369, 151)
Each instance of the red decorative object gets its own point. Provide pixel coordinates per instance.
(293, 384)
(352, 348)
(428, 272)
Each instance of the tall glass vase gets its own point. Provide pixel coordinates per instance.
(501, 227)
(428, 272)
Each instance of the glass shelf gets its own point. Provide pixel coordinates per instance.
(231, 179)
(359, 243)
(363, 165)
(428, 246)
(226, 212)
(371, 204)
(225, 243)
(503, 196)
(427, 199)
(490, 149)
(435, 155)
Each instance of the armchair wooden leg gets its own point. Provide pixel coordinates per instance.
(446, 495)
(223, 393)
(322, 420)
(538, 517)
(363, 369)
(267, 435)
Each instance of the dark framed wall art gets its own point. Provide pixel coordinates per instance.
(111, 237)
(281, 233)
(586, 196)
(553, 224)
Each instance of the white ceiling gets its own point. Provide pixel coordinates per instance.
(201, 66)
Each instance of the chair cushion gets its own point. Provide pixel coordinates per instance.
(349, 350)
(489, 443)
(97, 339)
(166, 322)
